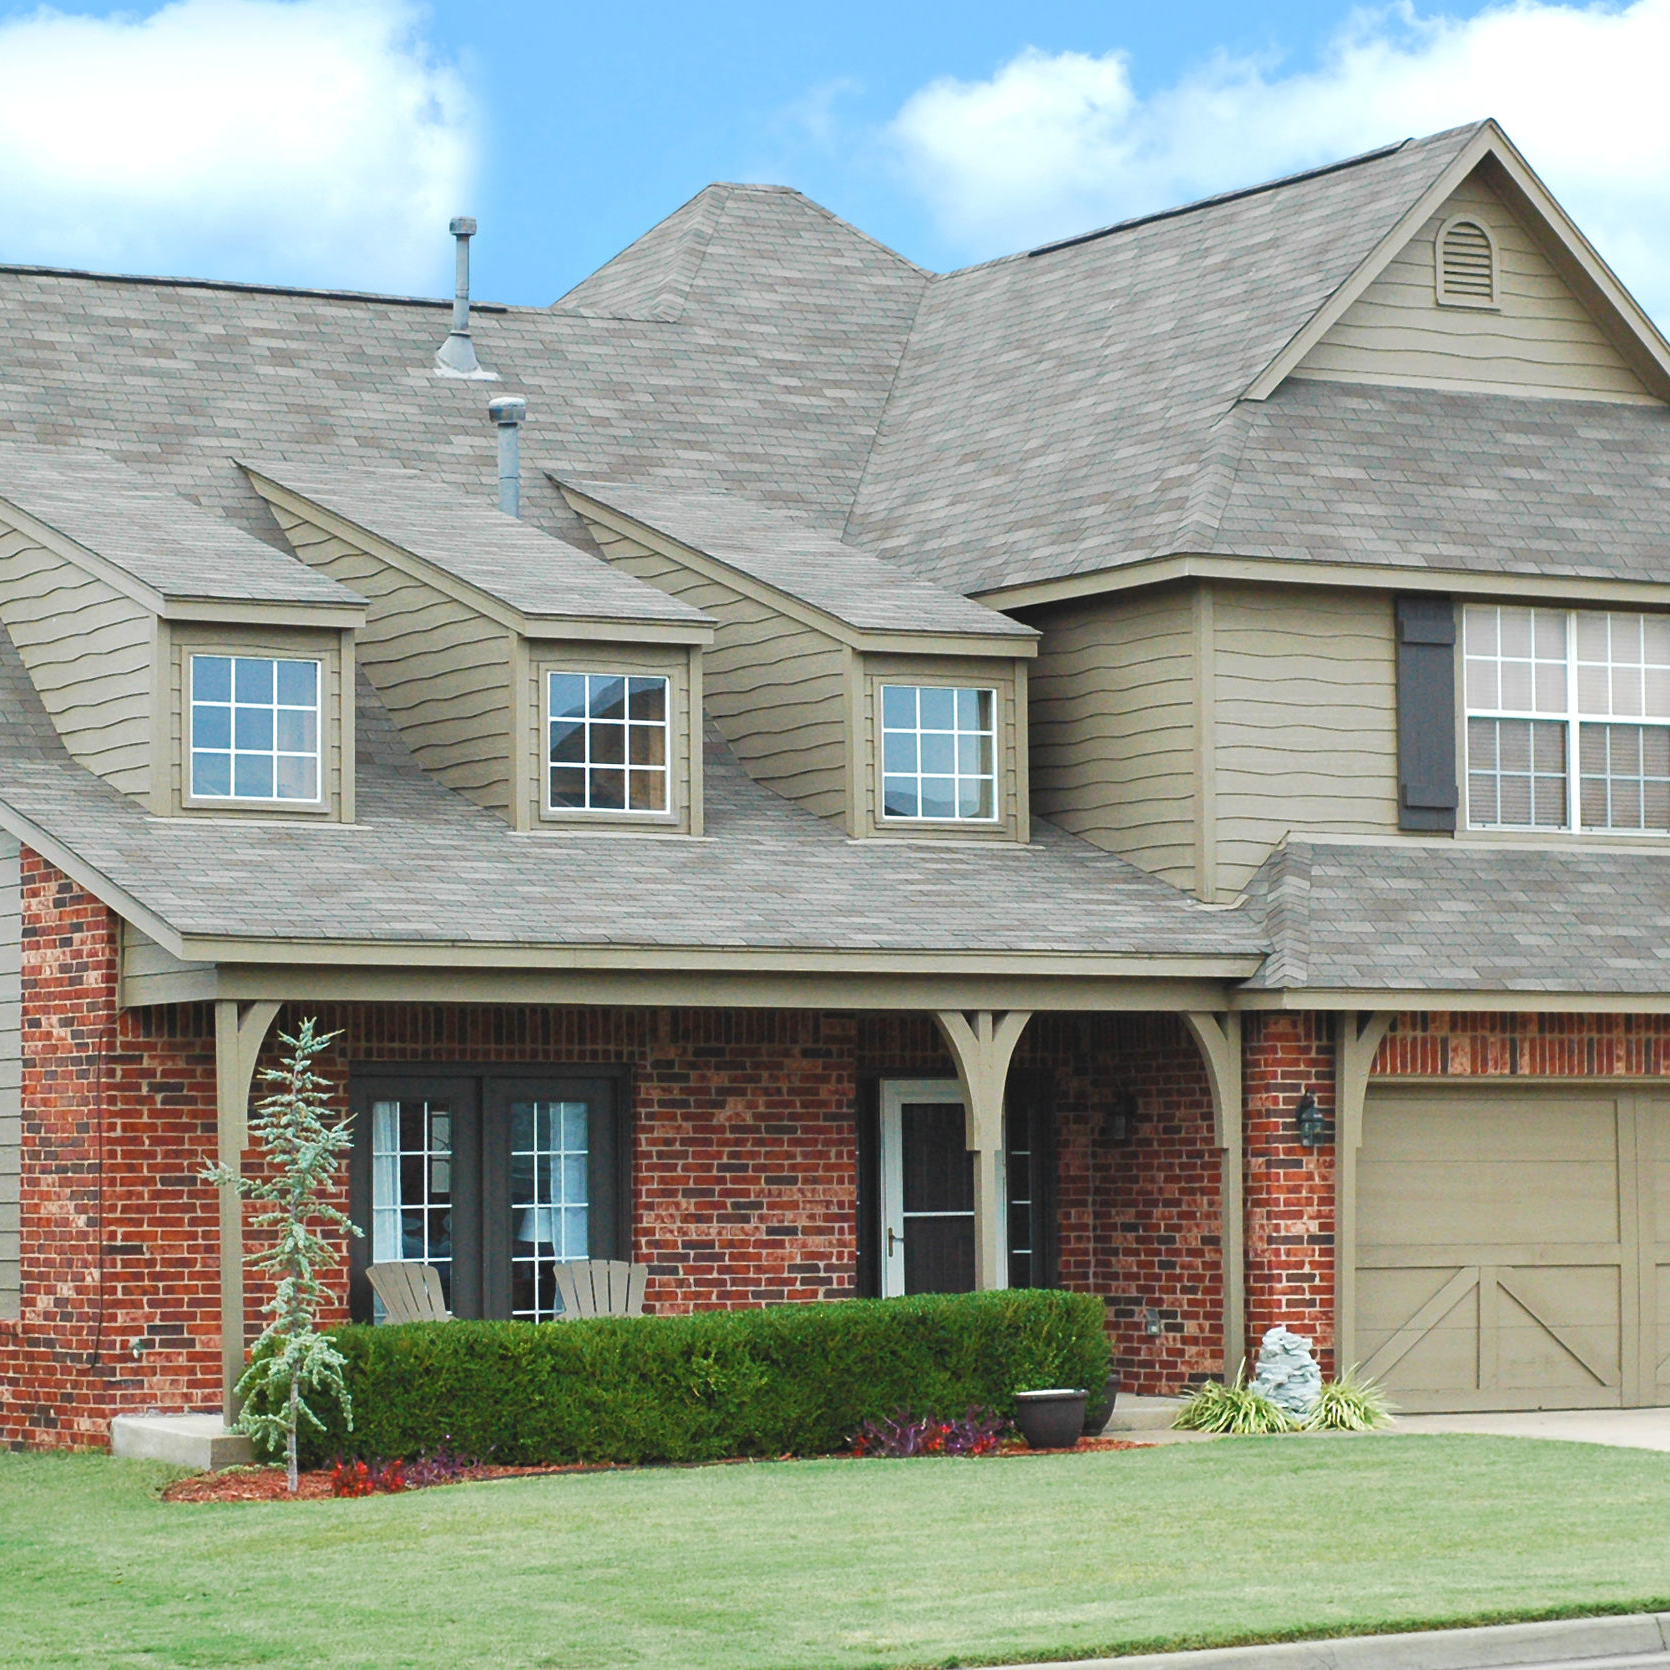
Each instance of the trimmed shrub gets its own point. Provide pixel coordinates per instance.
(790, 1379)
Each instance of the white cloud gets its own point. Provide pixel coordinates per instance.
(308, 141)
(1054, 144)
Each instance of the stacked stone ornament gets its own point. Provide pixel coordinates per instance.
(1287, 1373)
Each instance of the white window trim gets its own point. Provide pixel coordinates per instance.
(1573, 721)
(189, 795)
(592, 814)
(894, 820)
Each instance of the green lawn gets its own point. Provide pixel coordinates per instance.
(833, 1563)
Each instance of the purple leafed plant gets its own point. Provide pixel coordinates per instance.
(979, 1432)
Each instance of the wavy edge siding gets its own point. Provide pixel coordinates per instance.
(11, 1076)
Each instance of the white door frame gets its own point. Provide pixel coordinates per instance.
(895, 1093)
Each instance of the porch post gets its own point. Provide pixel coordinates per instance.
(1219, 1039)
(1357, 1041)
(240, 1031)
(982, 1044)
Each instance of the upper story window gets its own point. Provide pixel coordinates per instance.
(1568, 719)
(939, 752)
(608, 743)
(254, 728)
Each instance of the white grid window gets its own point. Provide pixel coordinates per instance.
(411, 1185)
(1545, 688)
(608, 742)
(254, 728)
(549, 1166)
(938, 752)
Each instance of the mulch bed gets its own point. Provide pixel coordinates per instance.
(268, 1484)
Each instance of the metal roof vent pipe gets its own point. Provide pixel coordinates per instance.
(507, 412)
(456, 356)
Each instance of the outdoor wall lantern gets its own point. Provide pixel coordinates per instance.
(1119, 1124)
(1308, 1120)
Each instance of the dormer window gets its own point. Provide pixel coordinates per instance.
(1465, 256)
(254, 729)
(608, 743)
(939, 753)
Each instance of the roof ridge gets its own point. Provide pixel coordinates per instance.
(244, 286)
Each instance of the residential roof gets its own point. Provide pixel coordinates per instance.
(786, 552)
(168, 544)
(1463, 916)
(424, 865)
(469, 537)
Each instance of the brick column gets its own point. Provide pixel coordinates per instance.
(1289, 1187)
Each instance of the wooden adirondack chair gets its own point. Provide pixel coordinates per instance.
(600, 1287)
(410, 1292)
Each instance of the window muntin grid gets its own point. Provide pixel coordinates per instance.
(411, 1185)
(1543, 689)
(254, 728)
(549, 1220)
(608, 738)
(939, 753)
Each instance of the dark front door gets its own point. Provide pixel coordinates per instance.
(491, 1178)
(927, 1176)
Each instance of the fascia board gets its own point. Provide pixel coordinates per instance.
(867, 640)
(600, 629)
(1373, 264)
(334, 616)
(1408, 1000)
(452, 954)
(1462, 582)
(91, 880)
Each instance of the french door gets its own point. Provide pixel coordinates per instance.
(492, 1179)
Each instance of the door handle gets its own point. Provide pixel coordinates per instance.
(893, 1241)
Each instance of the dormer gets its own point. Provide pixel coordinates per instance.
(520, 670)
(868, 695)
(182, 660)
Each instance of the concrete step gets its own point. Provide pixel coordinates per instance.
(1141, 1414)
(184, 1440)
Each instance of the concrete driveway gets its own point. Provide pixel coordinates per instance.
(1635, 1429)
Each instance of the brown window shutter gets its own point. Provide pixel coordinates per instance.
(1426, 775)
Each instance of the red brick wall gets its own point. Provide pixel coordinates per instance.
(118, 1235)
(1467, 1045)
(1289, 1188)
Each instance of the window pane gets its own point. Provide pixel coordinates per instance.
(411, 1186)
(252, 728)
(1625, 776)
(649, 791)
(211, 774)
(211, 727)
(252, 680)
(568, 786)
(649, 745)
(298, 731)
(298, 683)
(568, 742)
(647, 699)
(1516, 773)
(252, 776)
(297, 777)
(568, 695)
(608, 790)
(211, 678)
(937, 752)
(608, 698)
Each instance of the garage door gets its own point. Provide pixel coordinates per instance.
(1508, 1248)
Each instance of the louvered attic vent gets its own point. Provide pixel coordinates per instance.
(1466, 265)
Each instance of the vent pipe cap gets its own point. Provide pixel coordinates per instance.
(508, 412)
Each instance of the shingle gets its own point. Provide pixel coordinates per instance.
(471, 538)
(788, 553)
(164, 541)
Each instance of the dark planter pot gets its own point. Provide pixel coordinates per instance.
(1097, 1415)
(1053, 1419)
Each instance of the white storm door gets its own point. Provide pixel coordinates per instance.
(927, 1189)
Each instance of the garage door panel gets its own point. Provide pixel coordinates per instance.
(1495, 1234)
(1559, 1328)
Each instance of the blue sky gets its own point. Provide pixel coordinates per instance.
(326, 141)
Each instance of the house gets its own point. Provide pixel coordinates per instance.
(1141, 766)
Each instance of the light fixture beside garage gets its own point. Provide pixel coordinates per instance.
(1308, 1121)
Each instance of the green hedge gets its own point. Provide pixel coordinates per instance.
(791, 1379)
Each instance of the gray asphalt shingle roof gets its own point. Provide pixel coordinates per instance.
(1463, 916)
(788, 553)
(162, 540)
(470, 537)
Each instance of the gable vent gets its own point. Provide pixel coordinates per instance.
(1466, 265)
